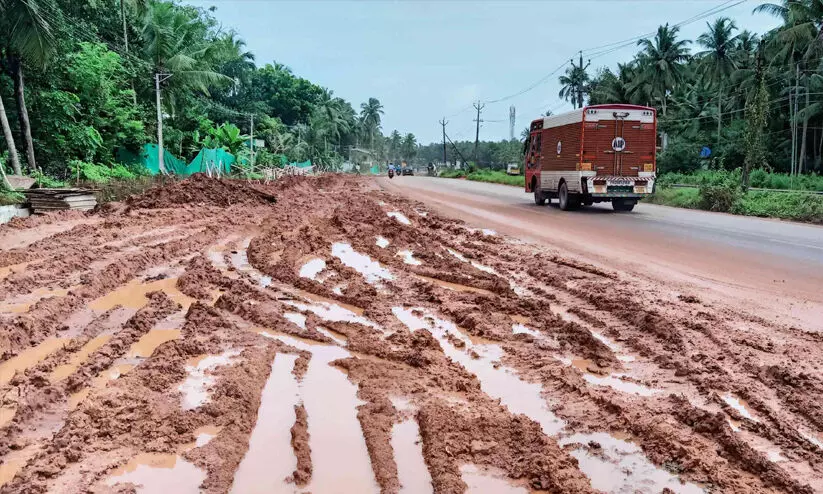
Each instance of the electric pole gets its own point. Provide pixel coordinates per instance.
(443, 124)
(158, 78)
(512, 119)
(478, 106)
(252, 142)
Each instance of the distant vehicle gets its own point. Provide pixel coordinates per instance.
(391, 172)
(408, 171)
(601, 153)
(513, 169)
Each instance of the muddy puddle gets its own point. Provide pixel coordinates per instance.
(159, 472)
(740, 405)
(616, 465)
(299, 320)
(14, 461)
(13, 268)
(65, 370)
(487, 480)
(400, 217)
(29, 358)
(271, 437)
(339, 457)
(312, 268)
(195, 388)
(495, 380)
(382, 242)
(408, 455)
(133, 295)
(371, 270)
(240, 262)
(148, 343)
(408, 258)
(455, 286)
(333, 312)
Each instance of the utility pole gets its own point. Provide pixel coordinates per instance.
(252, 142)
(443, 124)
(478, 106)
(512, 119)
(158, 78)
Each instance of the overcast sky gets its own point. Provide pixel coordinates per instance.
(427, 59)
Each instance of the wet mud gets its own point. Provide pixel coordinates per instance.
(318, 334)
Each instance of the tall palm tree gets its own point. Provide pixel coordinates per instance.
(662, 63)
(717, 63)
(176, 43)
(409, 146)
(574, 85)
(800, 39)
(370, 116)
(29, 38)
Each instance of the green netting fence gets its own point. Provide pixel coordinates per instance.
(206, 159)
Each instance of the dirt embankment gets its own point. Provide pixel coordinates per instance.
(318, 334)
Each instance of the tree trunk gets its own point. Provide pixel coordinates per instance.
(801, 162)
(15, 161)
(23, 113)
(719, 113)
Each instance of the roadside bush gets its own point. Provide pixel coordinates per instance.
(675, 197)
(785, 205)
(9, 197)
(98, 173)
(719, 198)
(496, 177)
(453, 173)
(679, 157)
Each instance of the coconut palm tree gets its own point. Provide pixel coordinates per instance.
(370, 115)
(662, 64)
(29, 38)
(176, 44)
(717, 63)
(574, 85)
(798, 41)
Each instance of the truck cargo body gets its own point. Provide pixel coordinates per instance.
(594, 154)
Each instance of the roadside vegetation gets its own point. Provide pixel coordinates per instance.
(77, 88)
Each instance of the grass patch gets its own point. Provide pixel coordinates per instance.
(489, 176)
(760, 179)
(496, 177)
(676, 197)
(453, 173)
(787, 206)
(793, 206)
(9, 197)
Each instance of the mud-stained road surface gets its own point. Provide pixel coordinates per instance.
(323, 335)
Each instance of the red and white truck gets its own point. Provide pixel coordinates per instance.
(600, 153)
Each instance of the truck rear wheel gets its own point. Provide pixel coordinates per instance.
(623, 204)
(539, 197)
(567, 201)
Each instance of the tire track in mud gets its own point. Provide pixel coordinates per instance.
(421, 354)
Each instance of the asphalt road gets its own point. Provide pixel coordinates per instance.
(761, 261)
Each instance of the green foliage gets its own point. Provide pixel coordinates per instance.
(10, 197)
(100, 173)
(677, 197)
(496, 177)
(789, 206)
(680, 157)
(453, 173)
(720, 191)
(758, 179)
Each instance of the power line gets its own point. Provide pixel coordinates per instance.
(619, 45)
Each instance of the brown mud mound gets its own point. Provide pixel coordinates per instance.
(200, 189)
(343, 339)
